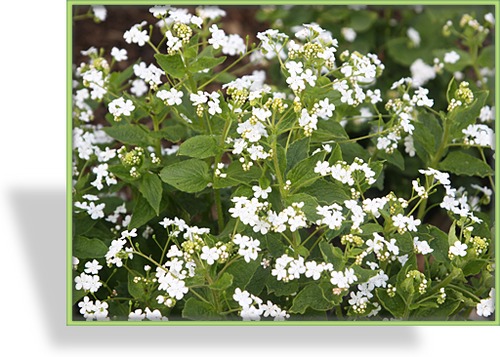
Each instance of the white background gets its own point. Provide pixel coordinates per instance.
(32, 238)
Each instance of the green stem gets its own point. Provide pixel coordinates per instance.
(220, 213)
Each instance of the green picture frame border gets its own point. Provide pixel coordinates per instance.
(69, 146)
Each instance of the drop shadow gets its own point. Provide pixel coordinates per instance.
(44, 243)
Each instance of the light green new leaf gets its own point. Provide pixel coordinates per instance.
(188, 176)
(460, 163)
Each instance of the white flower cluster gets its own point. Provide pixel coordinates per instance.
(253, 308)
(487, 114)
(403, 111)
(454, 200)
(138, 315)
(150, 74)
(421, 72)
(421, 247)
(86, 143)
(95, 211)
(120, 106)
(405, 223)
(382, 248)
(359, 300)
(117, 251)
(458, 249)
(486, 307)
(94, 311)
(231, 44)
(89, 280)
(136, 34)
(170, 97)
(94, 74)
(271, 45)
(249, 248)
(479, 134)
(345, 173)
(257, 214)
(210, 99)
(298, 77)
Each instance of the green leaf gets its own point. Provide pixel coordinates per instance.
(395, 305)
(280, 288)
(199, 311)
(242, 272)
(303, 173)
(474, 267)
(172, 65)
(326, 192)
(395, 158)
(311, 296)
(142, 213)
(136, 290)
(200, 146)
(328, 130)
(298, 151)
(129, 134)
(462, 117)
(452, 235)
(487, 57)
(460, 163)
(203, 62)
(309, 207)
(362, 20)
(331, 254)
(237, 176)
(438, 241)
(86, 248)
(151, 188)
(224, 282)
(188, 176)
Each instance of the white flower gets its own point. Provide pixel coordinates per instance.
(421, 247)
(421, 72)
(172, 97)
(261, 193)
(139, 87)
(451, 57)
(313, 270)
(414, 36)
(242, 297)
(348, 33)
(136, 315)
(119, 107)
(458, 249)
(209, 254)
(486, 306)
(95, 212)
(119, 54)
(100, 12)
(92, 267)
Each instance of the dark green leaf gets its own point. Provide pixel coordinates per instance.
(298, 151)
(199, 311)
(395, 305)
(151, 188)
(332, 255)
(311, 296)
(326, 191)
(86, 248)
(460, 163)
(142, 213)
(302, 174)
